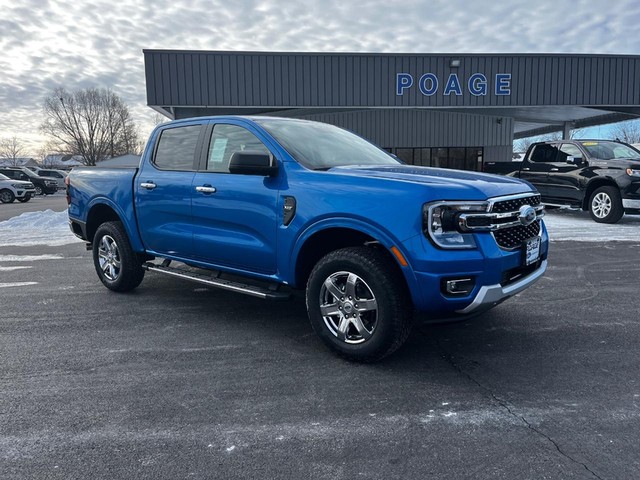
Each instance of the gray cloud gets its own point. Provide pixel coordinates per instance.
(98, 43)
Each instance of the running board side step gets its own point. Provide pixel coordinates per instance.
(264, 292)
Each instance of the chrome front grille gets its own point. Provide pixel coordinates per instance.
(513, 236)
(513, 204)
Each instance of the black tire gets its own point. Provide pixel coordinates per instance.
(605, 205)
(39, 190)
(7, 196)
(117, 265)
(385, 319)
(25, 199)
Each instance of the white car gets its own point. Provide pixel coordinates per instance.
(11, 190)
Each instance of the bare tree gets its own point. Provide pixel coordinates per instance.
(93, 123)
(523, 144)
(11, 149)
(628, 132)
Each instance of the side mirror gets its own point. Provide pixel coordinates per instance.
(253, 163)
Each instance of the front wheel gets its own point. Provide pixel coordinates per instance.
(358, 303)
(117, 265)
(605, 205)
(7, 196)
(39, 190)
(25, 199)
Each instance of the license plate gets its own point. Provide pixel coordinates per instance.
(531, 250)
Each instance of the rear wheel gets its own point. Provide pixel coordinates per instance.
(605, 205)
(7, 196)
(117, 265)
(358, 303)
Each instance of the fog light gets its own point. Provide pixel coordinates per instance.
(458, 286)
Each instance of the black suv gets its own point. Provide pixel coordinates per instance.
(43, 185)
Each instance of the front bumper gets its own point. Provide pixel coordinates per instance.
(498, 274)
(491, 295)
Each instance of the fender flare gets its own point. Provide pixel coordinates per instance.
(374, 231)
(134, 237)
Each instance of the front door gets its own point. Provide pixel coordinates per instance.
(234, 215)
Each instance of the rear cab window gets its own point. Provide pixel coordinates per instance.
(176, 148)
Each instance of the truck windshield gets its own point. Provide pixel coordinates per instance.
(610, 150)
(320, 146)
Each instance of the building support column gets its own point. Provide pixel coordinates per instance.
(566, 130)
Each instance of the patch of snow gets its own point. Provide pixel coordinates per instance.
(10, 269)
(231, 448)
(37, 228)
(565, 225)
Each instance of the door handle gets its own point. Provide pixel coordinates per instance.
(148, 185)
(555, 170)
(526, 169)
(206, 189)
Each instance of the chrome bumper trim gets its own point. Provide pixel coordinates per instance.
(489, 295)
(627, 203)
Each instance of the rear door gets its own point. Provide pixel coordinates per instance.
(564, 178)
(234, 215)
(163, 190)
(536, 166)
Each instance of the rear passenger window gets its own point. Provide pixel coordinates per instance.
(228, 139)
(177, 148)
(544, 153)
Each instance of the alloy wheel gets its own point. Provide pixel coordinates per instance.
(109, 258)
(601, 205)
(349, 307)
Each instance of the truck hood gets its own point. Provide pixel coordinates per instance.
(484, 184)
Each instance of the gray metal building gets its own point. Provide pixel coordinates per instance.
(441, 110)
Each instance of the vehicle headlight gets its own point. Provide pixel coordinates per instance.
(441, 223)
(17, 185)
(633, 172)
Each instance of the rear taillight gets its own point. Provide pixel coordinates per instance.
(67, 183)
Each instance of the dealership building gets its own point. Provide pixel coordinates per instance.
(443, 110)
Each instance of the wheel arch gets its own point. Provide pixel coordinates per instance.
(102, 211)
(331, 235)
(593, 185)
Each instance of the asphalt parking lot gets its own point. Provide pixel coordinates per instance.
(179, 381)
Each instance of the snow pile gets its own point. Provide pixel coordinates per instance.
(576, 225)
(37, 228)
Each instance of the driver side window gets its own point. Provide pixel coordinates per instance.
(228, 139)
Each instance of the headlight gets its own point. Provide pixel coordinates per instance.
(441, 222)
(633, 172)
(51, 182)
(20, 186)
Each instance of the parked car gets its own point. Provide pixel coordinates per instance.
(601, 176)
(262, 205)
(11, 190)
(43, 186)
(57, 175)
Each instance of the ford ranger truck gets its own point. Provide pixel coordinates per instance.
(601, 176)
(266, 206)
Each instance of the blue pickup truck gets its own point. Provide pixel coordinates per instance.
(265, 206)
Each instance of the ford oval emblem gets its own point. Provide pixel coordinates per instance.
(527, 215)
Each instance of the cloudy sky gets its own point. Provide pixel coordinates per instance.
(93, 43)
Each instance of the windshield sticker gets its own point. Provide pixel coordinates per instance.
(589, 144)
